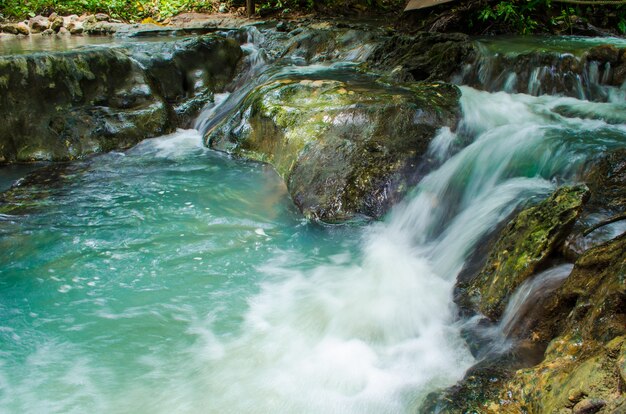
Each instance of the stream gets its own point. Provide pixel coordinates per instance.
(171, 278)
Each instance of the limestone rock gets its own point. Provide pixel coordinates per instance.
(22, 29)
(522, 248)
(56, 24)
(10, 28)
(38, 24)
(604, 53)
(75, 27)
(344, 151)
(63, 105)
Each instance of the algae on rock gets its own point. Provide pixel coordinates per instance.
(344, 149)
(523, 247)
(62, 105)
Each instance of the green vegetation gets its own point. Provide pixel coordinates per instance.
(159, 10)
(528, 16)
(119, 9)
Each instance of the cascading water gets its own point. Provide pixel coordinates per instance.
(551, 65)
(189, 283)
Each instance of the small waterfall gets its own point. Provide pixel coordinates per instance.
(529, 293)
(543, 72)
(255, 64)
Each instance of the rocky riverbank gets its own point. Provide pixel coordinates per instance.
(61, 106)
(568, 352)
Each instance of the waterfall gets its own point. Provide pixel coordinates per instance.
(552, 69)
(375, 331)
(189, 283)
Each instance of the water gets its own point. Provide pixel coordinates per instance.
(173, 279)
(529, 293)
(550, 65)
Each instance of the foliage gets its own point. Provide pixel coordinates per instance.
(526, 16)
(135, 10)
(121, 9)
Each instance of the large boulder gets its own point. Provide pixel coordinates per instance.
(346, 150)
(60, 106)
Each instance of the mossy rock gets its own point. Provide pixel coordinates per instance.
(522, 248)
(424, 56)
(60, 106)
(583, 368)
(346, 150)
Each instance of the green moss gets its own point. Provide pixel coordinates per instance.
(522, 248)
(343, 148)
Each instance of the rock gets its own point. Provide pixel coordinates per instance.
(425, 56)
(63, 105)
(63, 32)
(588, 406)
(606, 180)
(575, 395)
(22, 29)
(56, 24)
(47, 32)
(522, 248)
(89, 18)
(582, 367)
(282, 27)
(326, 42)
(10, 28)
(223, 8)
(70, 18)
(101, 28)
(621, 363)
(38, 24)
(604, 53)
(345, 151)
(52, 16)
(75, 27)
(102, 17)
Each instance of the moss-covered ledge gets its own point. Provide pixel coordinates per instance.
(345, 149)
(59, 106)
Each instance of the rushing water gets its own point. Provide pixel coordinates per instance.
(173, 279)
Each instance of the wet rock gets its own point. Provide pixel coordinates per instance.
(63, 32)
(588, 406)
(345, 151)
(582, 367)
(522, 248)
(621, 363)
(603, 216)
(186, 73)
(326, 42)
(604, 53)
(425, 56)
(38, 24)
(282, 26)
(60, 106)
(47, 32)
